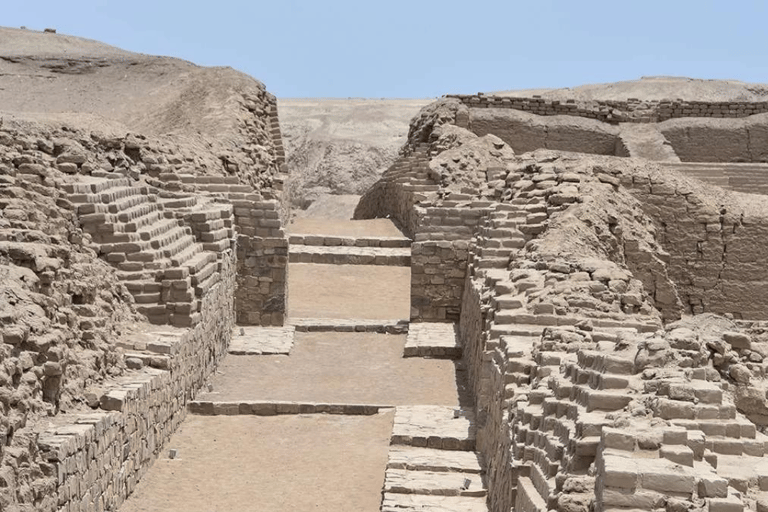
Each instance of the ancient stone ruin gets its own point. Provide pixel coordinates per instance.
(584, 323)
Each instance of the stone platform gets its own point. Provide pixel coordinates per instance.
(252, 340)
(432, 339)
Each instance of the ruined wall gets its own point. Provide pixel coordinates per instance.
(93, 460)
(716, 242)
(262, 262)
(440, 215)
(261, 295)
(400, 188)
(65, 311)
(630, 111)
(729, 140)
(527, 132)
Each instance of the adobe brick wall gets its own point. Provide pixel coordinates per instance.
(97, 458)
(630, 111)
(717, 252)
(525, 132)
(728, 140)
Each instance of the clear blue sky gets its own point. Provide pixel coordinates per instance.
(426, 48)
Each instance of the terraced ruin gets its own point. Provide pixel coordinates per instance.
(543, 304)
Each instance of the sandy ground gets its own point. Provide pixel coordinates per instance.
(372, 292)
(296, 463)
(358, 368)
(356, 228)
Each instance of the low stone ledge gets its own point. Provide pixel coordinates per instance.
(345, 241)
(274, 408)
(432, 339)
(254, 340)
(397, 502)
(343, 255)
(349, 325)
(434, 426)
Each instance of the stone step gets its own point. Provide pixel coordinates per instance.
(329, 240)
(108, 195)
(138, 217)
(174, 243)
(432, 426)
(403, 481)
(189, 251)
(199, 261)
(180, 202)
(202, 288)
(432, 339)
(201, 275)
(429, 459)
(94, 186)
(397, 502)
(207, 407)
(155, 229)
(348, 325)
(139, 286)
(343, 255)
(254, 340)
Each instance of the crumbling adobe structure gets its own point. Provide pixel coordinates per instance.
(611, 308)
(141, 218)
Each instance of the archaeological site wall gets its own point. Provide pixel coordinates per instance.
(729, 140)
(630, 111)
(127, 257)
(527, 132)
(594, 386)
(689, 130)
(715, 243)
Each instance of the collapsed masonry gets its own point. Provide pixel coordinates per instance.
(586, 289)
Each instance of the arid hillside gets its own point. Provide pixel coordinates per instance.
(649, 88)
(215, 114)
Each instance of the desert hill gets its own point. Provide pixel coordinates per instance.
(650, 88)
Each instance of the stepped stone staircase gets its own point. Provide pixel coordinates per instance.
(750, 178)
(432, 463)
(167, 250)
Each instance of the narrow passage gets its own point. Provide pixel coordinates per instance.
(327, 413)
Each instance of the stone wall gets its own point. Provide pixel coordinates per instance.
(262, 262)
(437, 279)
(729, 140)
(630, 111)
(262, 275)
(716, 244)
(440, 227)
(439, 256)
(262, 265)
(400, 188)
(526, 132)
(92, 460)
